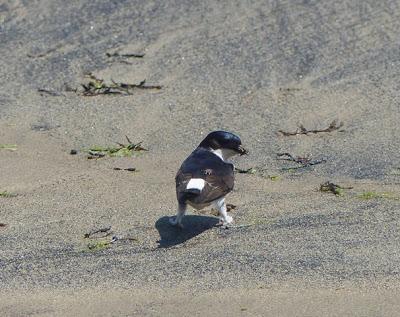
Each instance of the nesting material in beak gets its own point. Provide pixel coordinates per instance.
(242, 150)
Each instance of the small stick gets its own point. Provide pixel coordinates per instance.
(302, 130)
(304, 161)
(300, 160)
(102, 230)
(128, 55)
(95, 155)
(53, 93)
(129, 169)
(44, 53)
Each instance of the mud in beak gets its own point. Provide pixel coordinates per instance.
(242, 151)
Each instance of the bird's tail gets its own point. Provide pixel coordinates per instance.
(188, 194)
(192, 191)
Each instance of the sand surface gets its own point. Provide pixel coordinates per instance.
(252, 68)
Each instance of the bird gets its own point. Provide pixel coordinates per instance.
(206, 176)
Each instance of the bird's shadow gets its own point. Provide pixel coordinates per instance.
(192, 226)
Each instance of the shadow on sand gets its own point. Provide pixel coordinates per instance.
(192, 226)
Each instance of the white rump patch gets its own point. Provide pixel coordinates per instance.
(197, 183)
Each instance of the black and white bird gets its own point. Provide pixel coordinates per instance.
(206, 176)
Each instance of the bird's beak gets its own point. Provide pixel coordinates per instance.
(242, 151)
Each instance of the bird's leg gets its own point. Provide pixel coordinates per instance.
(177, 221)
(225, 219)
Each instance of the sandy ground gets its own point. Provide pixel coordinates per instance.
(275, 301)
(249, 67)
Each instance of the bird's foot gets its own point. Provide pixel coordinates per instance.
(228, 219)
(224, 222)
(174, 222)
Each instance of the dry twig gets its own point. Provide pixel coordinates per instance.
(129, 169)
(97, 86)
(52, 93)
(92, 232)
(127, 55)
(333, 188)
(304, 161)
(302, 130)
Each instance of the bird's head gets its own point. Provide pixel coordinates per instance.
(224, 143)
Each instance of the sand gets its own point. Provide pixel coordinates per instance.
(251, 68)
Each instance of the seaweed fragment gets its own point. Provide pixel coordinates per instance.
(274, 177)
(10, 147)
(97, 86)
(302, 130)
(103, 244)
(98, 245)
(333, 188)
(122, 150)
(133, 146)
(6, 194)
(303, 161)
(375, 195)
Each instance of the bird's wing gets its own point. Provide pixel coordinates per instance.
(218, 176)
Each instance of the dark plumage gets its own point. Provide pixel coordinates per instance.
(205, 177)
(218, 176)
